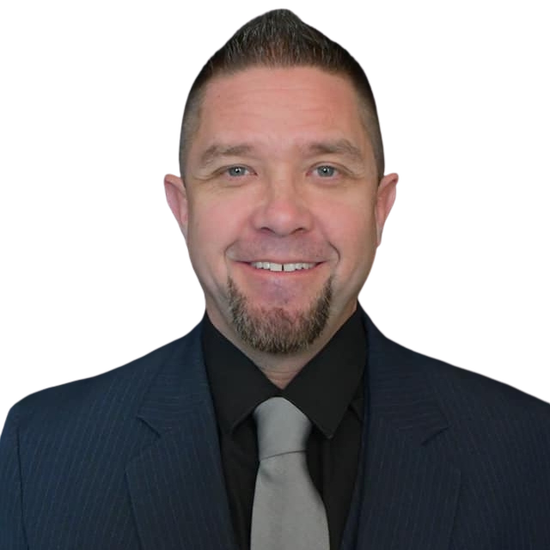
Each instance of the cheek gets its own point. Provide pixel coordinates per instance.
(213, 226)
(351, 229)
(354, 237)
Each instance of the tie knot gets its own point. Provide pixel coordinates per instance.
(282, 427)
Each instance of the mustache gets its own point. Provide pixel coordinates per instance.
(304, 250)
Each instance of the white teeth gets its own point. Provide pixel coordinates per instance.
(272, 266)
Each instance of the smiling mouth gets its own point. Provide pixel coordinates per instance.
(272, 266)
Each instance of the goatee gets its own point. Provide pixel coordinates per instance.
(275, 330)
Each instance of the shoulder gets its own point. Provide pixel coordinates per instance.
(469, 394)
(120, 389)
(490, 430)
(493, 414)
(460, 392)
(488, 419)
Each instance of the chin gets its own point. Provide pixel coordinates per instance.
(278, 330)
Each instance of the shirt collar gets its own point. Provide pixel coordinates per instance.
(323, 389)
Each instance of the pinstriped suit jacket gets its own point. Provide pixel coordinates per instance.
(130, 460)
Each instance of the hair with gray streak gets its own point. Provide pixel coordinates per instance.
(277, 39)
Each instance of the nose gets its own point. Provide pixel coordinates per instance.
(284, 209)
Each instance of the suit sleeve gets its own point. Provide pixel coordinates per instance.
(12, 535)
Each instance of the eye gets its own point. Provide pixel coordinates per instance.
(326, 171)
(236, 171)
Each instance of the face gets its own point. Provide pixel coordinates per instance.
(281, 209)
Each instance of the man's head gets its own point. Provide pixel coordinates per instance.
(283, 202)
(279, 39)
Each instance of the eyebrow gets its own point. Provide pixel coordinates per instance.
(336, 147)
(218, 150)
(330, 147)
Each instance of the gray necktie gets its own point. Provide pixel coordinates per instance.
(288, 513)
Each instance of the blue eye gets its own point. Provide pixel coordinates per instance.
(236, 171)
(326, 171)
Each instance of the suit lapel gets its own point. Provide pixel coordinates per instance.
(407, 492)
(176, 484)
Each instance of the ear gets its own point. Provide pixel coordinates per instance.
(385, 197)
(176, 195)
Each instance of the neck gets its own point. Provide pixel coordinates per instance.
(281, 369)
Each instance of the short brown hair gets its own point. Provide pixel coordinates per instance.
(276, 39)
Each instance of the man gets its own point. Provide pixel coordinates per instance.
(282, 201)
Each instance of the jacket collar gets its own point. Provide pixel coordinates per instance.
(177, 486)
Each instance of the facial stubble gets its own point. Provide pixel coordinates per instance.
(275, 330)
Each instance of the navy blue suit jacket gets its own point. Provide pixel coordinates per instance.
(130, 460)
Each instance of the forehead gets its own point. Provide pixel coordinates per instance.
(279, 108)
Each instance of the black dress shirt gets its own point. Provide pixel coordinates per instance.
(328, 390)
